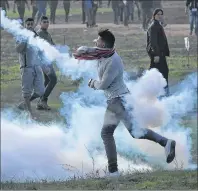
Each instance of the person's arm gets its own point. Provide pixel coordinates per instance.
(109, 75)
(153, 33)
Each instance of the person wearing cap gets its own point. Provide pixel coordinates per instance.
(157, 46)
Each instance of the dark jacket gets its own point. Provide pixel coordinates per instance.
(44, 34)
(192, 4)
(157, 44)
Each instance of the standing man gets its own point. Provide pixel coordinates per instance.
(48, 70)
(192, 7)
(53, 7)
(116, 11)
(31, 72)
(4, 5)
(66, 4)
(110, 71)
(157, 46)
(21, 8)
(147, 8)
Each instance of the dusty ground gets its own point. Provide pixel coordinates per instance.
(130, 44)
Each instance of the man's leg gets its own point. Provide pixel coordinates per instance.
(83, 13)
(27, 78)
(95, 8)
(109, 126)
(126, 118)
(126, 15)
(121, 14)
(34, 11)
(67, 9)
(48, 87)
(139, 11)
(191, 19)
(144, 19)
(196, 23)
(53, 11)
(115, 11)
(39, 87)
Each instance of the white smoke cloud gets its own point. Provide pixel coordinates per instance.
(32, 150)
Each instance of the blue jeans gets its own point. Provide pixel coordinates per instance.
(193, 16)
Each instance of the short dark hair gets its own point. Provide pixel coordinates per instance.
(108, 37)
(29, 19)
(44, 18)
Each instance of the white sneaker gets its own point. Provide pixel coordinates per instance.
(170, 150)
(113, 176)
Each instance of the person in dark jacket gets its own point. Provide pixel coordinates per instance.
(192, 6)
(48, 70)
(157, 46)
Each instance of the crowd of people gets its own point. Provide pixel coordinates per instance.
(123, 10)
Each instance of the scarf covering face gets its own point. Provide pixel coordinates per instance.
(95, 53)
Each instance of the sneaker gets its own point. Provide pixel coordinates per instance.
(21, 106)
(170, 150)
(42, 105)
(113, 176)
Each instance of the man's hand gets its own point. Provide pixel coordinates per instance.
(156, 59)
(91, 83)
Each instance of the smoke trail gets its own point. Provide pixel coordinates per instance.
(37, 151)
(66, 64)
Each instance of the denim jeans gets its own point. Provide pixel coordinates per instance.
(193, 17)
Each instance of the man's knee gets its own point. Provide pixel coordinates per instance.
(40, 92)
(107, 131)
(53, 78)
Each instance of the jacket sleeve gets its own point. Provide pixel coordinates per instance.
(153, 41)
(109, 75)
